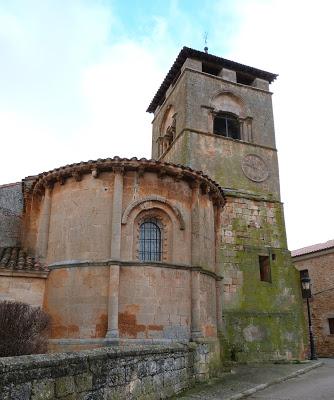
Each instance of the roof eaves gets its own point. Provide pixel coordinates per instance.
(189, 52)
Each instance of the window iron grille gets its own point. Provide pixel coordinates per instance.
(150, 243)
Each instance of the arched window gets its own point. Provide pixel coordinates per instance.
(226, 124)
(150, 245)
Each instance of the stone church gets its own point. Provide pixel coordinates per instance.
(187, 246)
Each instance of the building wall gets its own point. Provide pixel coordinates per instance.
(176, 97)
(80, 219)
(25, 289)
(225, 160)
(77, 300)
(262, 320)
(196, 95)
(157, 304)
(202, 91)
(87, 230)
(321, 272)
(11, 205)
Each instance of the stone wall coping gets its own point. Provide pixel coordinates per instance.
(118, 341)
(13, 365)
(106, 263)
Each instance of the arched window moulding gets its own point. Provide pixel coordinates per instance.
(228, 102)
(165, 225)
(142, 204)
(167, 130)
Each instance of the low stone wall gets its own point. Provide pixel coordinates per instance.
(147, 372)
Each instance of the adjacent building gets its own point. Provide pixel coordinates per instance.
(317, 263)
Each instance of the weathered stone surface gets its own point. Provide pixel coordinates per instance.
(43, 389)
(144, 372)
(11, 206)
(83, 382)
(64, 386)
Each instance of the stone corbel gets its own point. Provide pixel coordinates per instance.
(61, 179)
(194, 184)
(95, 173)
(162, 172)
(49, 184)
(141, 171)
(77, 176)
(178, 177)
(205, 189)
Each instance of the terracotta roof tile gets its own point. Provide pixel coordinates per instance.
(312, 249)
(16, 259)
(107, 163)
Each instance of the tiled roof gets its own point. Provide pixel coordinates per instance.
(16, 259)
(101, 165)
(187, 52)
(312, 249)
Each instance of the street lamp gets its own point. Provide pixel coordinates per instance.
(306, 293)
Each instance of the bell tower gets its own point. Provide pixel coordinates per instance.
(215, 115)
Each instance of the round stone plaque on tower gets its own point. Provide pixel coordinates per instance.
(255, 168)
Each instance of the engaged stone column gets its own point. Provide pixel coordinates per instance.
(115, 254)
(43, 225)
(195, 260)
(219, 285)
(219, 306)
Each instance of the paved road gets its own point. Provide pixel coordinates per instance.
(317, 384)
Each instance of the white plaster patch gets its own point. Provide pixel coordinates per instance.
(253, 333)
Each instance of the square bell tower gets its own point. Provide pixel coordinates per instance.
(215, 115)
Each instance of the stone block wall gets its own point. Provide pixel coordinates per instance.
(223, 159)
(156, 372)
(25, 288)
(11, 205)
(262, 319)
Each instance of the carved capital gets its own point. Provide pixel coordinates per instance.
(118, 169)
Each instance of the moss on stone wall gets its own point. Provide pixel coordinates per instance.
(262, 320)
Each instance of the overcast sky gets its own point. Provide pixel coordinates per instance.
(76, 77)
